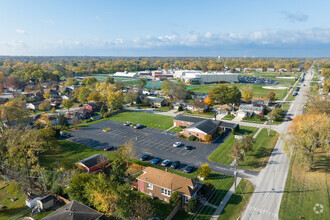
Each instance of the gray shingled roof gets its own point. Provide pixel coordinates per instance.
(93, 160)
(74, 211)
(206, 126)
(225, 124)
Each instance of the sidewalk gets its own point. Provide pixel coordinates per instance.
(225, 200)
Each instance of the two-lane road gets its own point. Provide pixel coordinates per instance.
(266, 199)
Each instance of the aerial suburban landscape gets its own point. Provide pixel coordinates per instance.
(143, 110)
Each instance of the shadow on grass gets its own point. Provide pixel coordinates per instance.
(322, 163)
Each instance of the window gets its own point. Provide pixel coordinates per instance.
(188, 124)
(186, 199)
(189, 133)
(182, 123)
(197, 134)
(166, 192)
(150, 186)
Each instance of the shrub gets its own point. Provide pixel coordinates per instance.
(192, 138)
(204, 170)
(181, 126)
(192, 205)
(208, 138)
(175, 198)
(180, 108)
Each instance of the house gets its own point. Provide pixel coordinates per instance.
(46, 202)
(31, 201)
(223, 109)
(66, 97)
(249, 109)
(260, 101)
(282, 70)
(32, 106)
(93, 163)
(258, 70)
(197, 106)
(3, 100)
(200, 127)
(156, 101)
(74, 211)
(161, 184)
(246, 69)
(93, 106)
(270, 70)
(237, 70)
(176, 105)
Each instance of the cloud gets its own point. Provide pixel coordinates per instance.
(295, 17)
(20, 31)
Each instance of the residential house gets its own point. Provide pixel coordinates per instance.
(162, 184)
(270, 70)
(46, 202)
(156, 101)
(200, 127)
(246, 69)
(249, 109)
(176, 105)
(81, 113)
(258, 70)
(260, 101)
(223, 109)
(93, 106)
(93, 163)
(32, 106)
(282, 70)
(3, 100)
(66, 97)
(74, 211)
(197, 106)
(237, 70)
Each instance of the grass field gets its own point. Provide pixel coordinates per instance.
(238, 201)
(16, 209)
(254, 119)
(69, 151)
(290, 97)
(148, 119)
(228, 117)
(204, 114)
(176, 129)
(257, 89)
(262, 149)
(307, 192)
(221, 154)
(163, 109)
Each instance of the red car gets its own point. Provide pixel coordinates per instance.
(109, 148)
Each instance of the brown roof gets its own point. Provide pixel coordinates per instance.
(170, 181)
(260, 98)
(223, 106)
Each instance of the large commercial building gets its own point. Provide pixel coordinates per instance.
(125, 74)
(196, 77)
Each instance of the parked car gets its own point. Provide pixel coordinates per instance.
(175, 164)
(188, 147)
(145, 157)
(188, 169)
(166, 163)
(138, 126)
(128, 123)
(109, 148)
(177, 144)
(156, 160)
(80, 105)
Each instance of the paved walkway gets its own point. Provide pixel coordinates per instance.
(225, 200)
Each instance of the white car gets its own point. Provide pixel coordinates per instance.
(177, 144)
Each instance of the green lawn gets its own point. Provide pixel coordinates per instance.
(228, 117)
(148, 119)
(290, 97)
(262, 149)
(176, 129)
(221, 154)
(238, 201)
(307, 190)
(286, 106)
(257, 89)
(254, 119)
(203, 115)
(163, 109)
(16, 209)
(70, 151)
(206, 213)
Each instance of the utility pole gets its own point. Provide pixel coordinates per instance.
(235, 172)
(270, 122)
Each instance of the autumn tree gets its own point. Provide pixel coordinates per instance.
(271, 96)
(115, 100)
(142, 83)
(131, 97)
(89, 81)
(308, 133)
(67, 103)
(48, 134)
(94, 96)
(44, 106)
(207, 100)
(47, 95)
(204, 170)
(77, 188)
(225, 95)
(247, 94)
(71, 81)
(109, 80)
(175, 198)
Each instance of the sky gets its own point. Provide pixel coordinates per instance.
(231, 28)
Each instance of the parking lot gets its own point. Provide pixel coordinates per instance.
(157, 143)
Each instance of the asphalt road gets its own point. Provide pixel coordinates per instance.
(157, 143)
(266, 199)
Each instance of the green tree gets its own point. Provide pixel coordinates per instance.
(48, 135)
(83, 95)
(110, 80)
(67, 103)
(192, 205)
(204, 170)
(71, 81)
(53, 110)
(78, 186)
(276, 114)
(271, 96)
(47, 95)
(44, 106)
(225, 95)
(89, 81)
(115, 100)
(142, 83)
(131, 97)
(175, 198)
